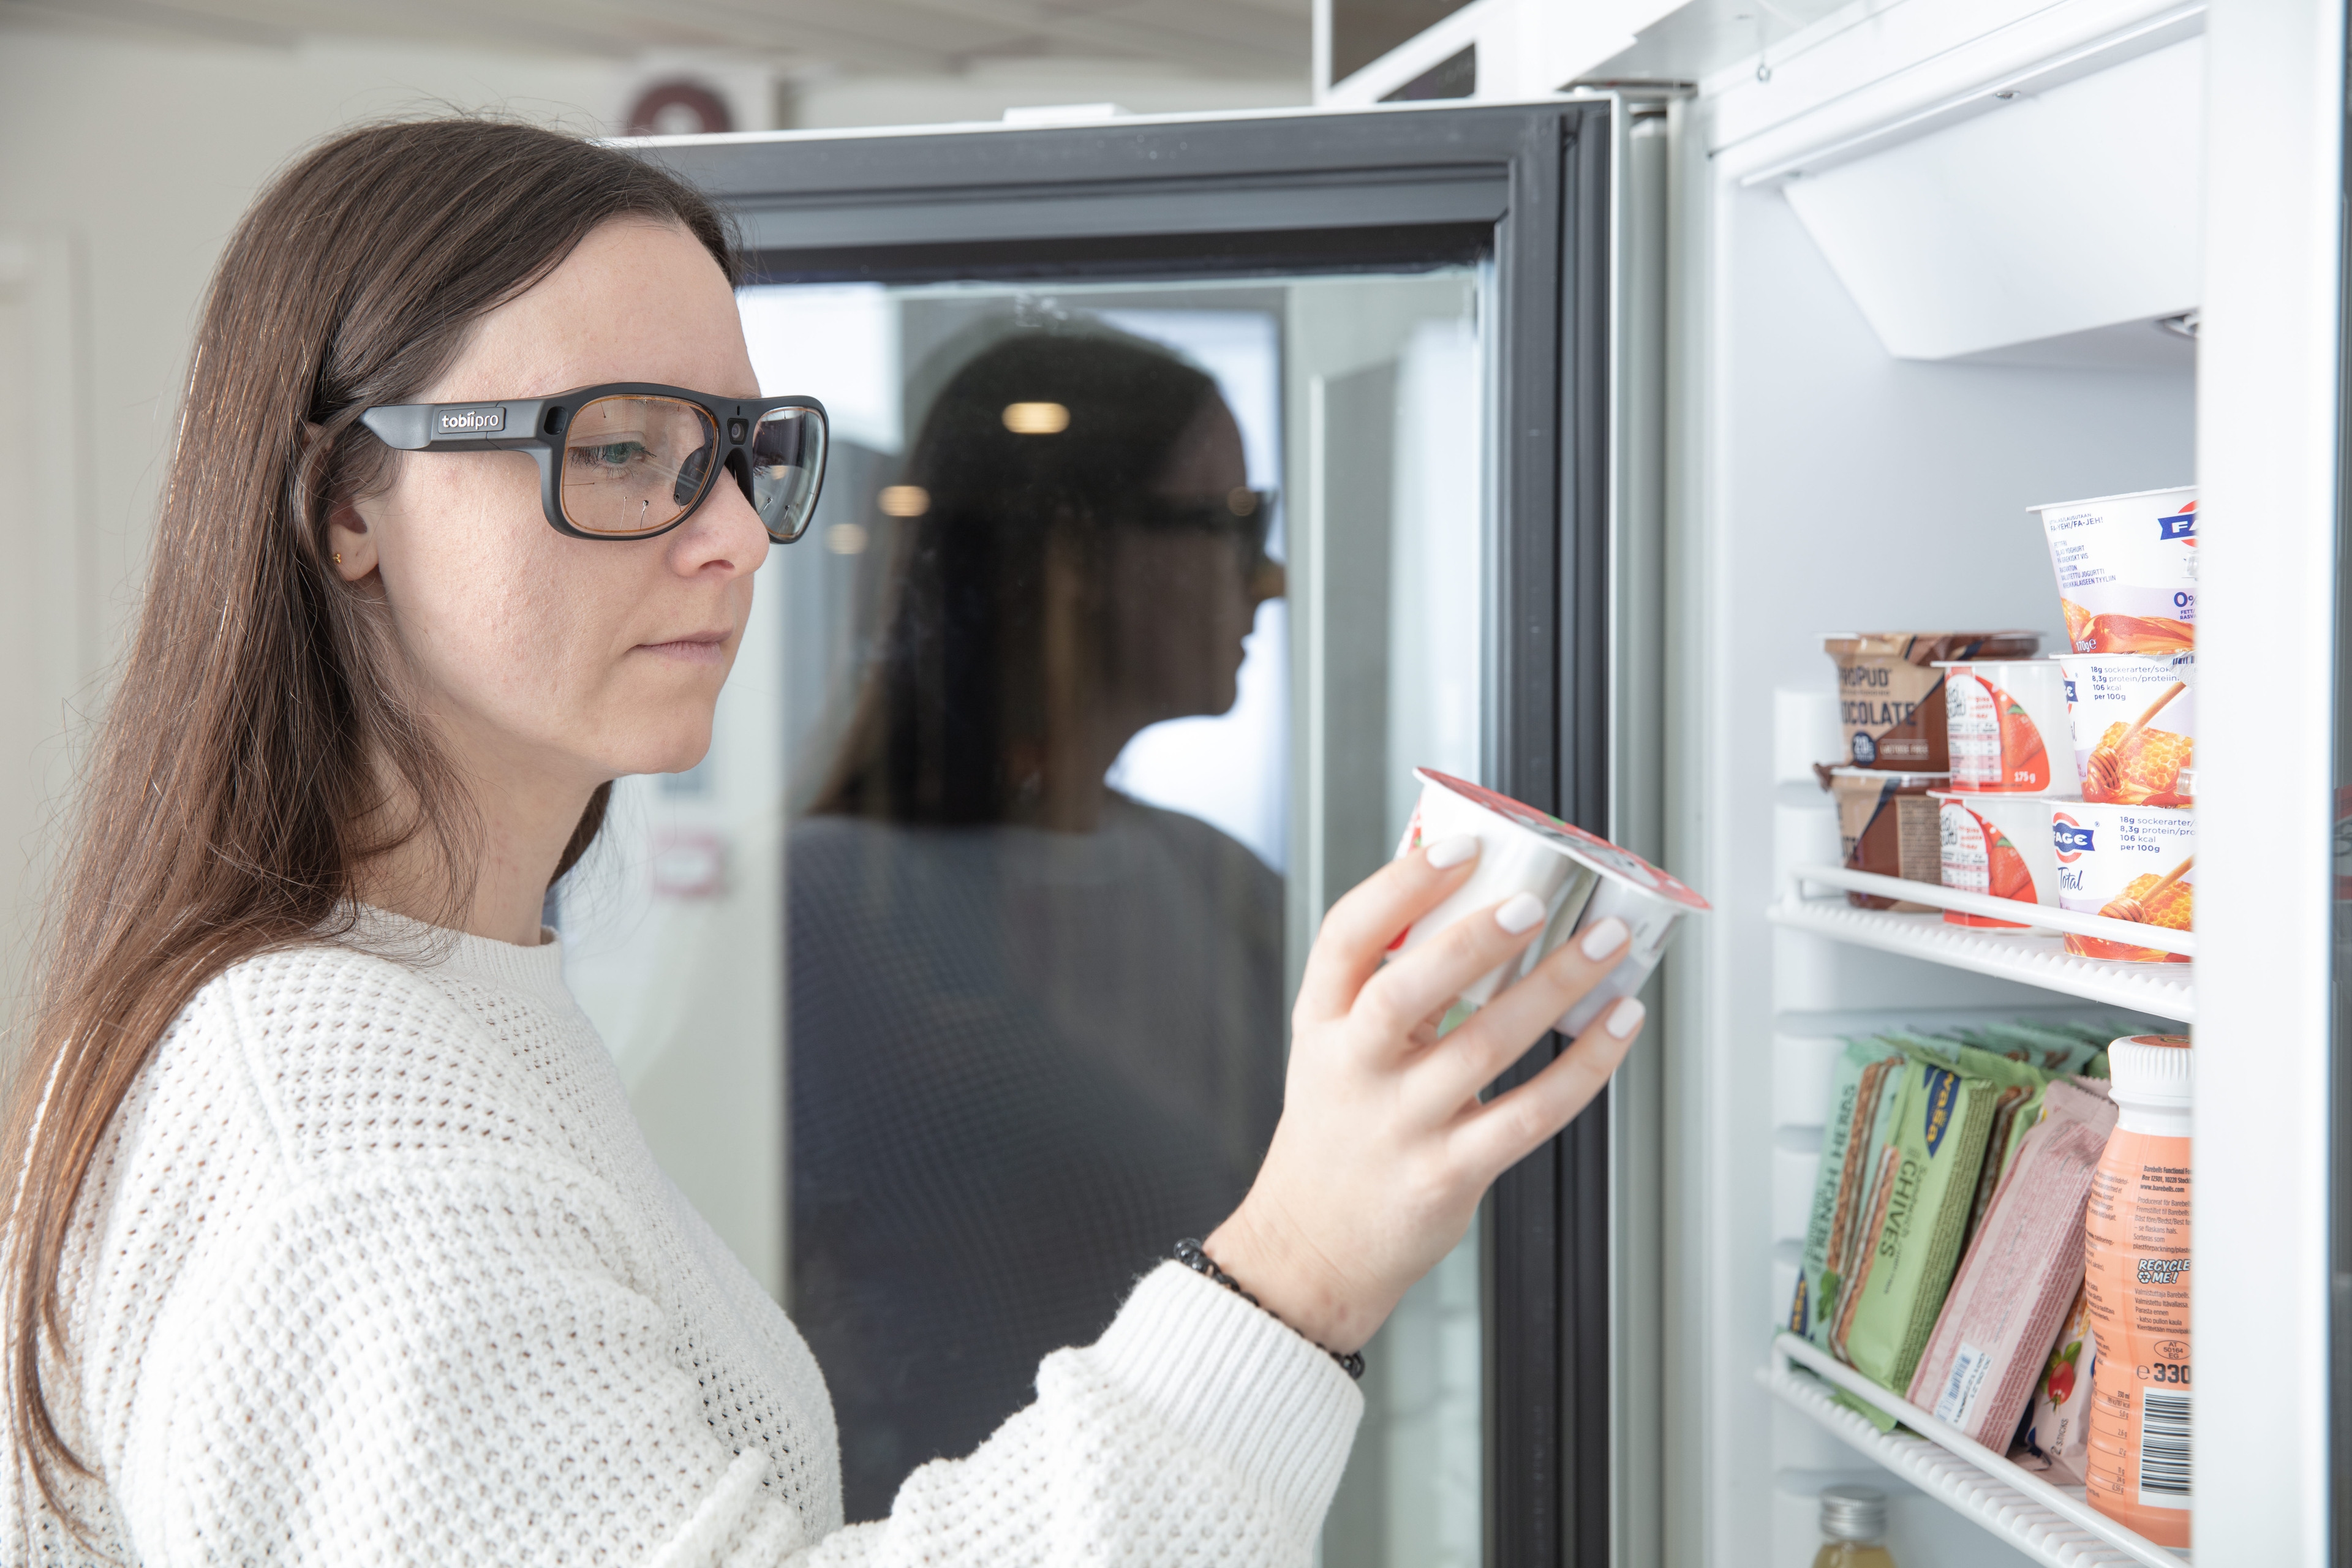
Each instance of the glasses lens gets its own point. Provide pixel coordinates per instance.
(635, 465)
(787, 465)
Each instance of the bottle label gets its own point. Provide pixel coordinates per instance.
(2136, 1290)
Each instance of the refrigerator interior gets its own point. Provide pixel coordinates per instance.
(1871, 406)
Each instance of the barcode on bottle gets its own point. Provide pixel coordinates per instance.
(2164, 1450)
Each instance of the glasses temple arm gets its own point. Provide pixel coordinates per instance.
(406, 427)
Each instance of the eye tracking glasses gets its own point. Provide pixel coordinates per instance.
(632, 459)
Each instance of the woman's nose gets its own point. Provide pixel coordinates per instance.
(724, 532)
(1267, 580)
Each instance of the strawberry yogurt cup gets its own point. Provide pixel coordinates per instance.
(2005, 723)
(1582, 880)
(1999, 846)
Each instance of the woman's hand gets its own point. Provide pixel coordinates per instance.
(1383, 1150)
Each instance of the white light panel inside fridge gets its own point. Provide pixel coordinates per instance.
(2055, 214)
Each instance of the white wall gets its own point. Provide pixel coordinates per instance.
(145, 153)
(990, 87)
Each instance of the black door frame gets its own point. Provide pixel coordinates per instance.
(1524, 185)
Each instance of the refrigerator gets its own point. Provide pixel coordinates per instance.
(1551, 431)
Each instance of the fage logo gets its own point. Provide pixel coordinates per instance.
(2180, 525)
(2069, 838)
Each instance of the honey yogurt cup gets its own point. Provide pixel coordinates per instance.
(2005, 723)
(1999, 846)
(2134, 721)
(1581, 878)
(2127, 570)
(2127, 862)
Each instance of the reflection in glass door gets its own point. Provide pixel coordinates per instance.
(1125, 616)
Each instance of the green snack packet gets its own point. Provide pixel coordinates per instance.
(1976, 1062)
(2099, 1036)
(1918, 1219)
(2052, 1050)
(1860, 1184)
(2016, 1108)
(1814, 1302)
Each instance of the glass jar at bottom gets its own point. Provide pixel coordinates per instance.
(1853, 1529)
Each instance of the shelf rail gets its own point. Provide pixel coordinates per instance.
(1953, 1441)
(2046, 917)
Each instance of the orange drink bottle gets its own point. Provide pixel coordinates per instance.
(2135, 1294)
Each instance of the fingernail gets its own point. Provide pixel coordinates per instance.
(1602, 939)
(1452, 851)
(1625, 1017)
(1519, 912)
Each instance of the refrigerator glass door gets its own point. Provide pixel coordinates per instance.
(1176, 511)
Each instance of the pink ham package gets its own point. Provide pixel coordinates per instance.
(2021, 1272)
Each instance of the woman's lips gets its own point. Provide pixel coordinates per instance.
(696, 648)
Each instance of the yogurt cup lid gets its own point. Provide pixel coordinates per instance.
(1622, 865)
(1965, 663)
(2127, 495)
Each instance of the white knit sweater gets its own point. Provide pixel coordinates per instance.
(375, 1268)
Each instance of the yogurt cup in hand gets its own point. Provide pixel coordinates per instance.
(1581, 879)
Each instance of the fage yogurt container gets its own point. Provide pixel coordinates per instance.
(2127, 862)
(1582, 879)
(2005, 722)
(2134, 721)
(1999, 846)
(2127, 570)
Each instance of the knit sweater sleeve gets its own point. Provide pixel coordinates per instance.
(1197, 1430)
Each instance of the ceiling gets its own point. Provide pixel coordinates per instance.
(1253, 39)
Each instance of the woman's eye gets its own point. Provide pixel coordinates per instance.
(608, 454)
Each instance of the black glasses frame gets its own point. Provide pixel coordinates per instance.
(538, 426)
(1246, 515)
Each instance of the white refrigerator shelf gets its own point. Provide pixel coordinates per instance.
(2050, 1524)
(2033, 957)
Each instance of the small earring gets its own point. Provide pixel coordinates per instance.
(339, 558)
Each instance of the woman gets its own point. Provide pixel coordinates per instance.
(1079, 1053)
(334, 1241)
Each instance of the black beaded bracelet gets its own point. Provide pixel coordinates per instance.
(1190, 1253)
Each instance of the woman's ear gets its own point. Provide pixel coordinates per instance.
(350, 543)
(351, 548)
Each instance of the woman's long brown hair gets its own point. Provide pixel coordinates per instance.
(243, 772)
